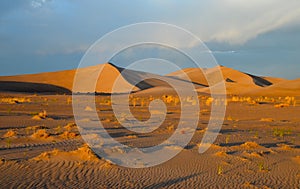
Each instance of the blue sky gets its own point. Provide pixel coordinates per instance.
(260, 37)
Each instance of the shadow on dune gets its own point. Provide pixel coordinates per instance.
(26, 87)
(131, 76)
(260, 81)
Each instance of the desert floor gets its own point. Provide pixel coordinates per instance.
(258, 146)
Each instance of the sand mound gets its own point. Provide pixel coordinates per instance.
(9, 134)
(83, 153)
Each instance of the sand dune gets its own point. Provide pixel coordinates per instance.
(283, 88)
(63, 80)
(237, 83)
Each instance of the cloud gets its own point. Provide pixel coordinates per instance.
(38, 3)
(31, 28)
(237, 22)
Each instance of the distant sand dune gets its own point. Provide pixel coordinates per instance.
(283, 88)
(15, 86)
(237, 83)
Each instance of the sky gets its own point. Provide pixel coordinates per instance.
(258, 37)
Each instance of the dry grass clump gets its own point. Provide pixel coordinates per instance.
(40, 116)
(9, 134)
(284, 147)
(170, 128)
(248, 100)
(281, 132)
(221, 154)
(282, 105)
(15, 100)
(69, 100)
(68, 135)
(46, 155)
(34, 128)
(83, 153)
(266, 119)
(279, 102)
(250, 145)
(70, 126)
(230, 118)
(286, 102)
(209, 101)
(105, 101)
(40, 134)
(131, 136)
(88, 109)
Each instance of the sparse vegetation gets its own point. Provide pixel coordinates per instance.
(280, 132)
(227, 139)
(15, 100)
(262, 167)
(8, 142)
(220, 170)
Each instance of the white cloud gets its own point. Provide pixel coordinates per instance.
(237, 21)
(38, 3)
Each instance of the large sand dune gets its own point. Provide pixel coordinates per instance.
(237, 83)
(64, 79)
